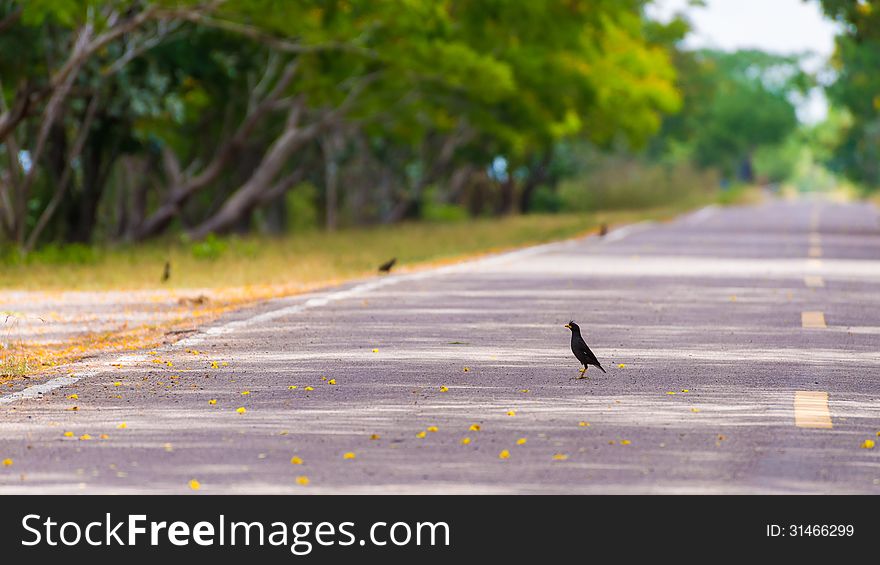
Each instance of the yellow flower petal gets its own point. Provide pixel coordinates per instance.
(68, 434)
(524, 390)
(467, 369)
(465, 440)
(444, 389)
(302, 480)
(245, 392)
(331, 382)
(505, 454)
(560, 457)
(684, 390)
(433, 428)
(212, 402)
(584, 424)
(374, 436)
(195, 485)
(103, 436)
(224, 363)
(73, 396)
(122, 426)
(421, 435)
(296, 460)
(85, 437)
(670, 392)
(474, 427)
(349, 455)
(215, 365)
(292, 387)
(625, 442)
(7, 462)
(868, 444)
(241, 410)
(521, 441)
(376, 350)
(309, 388)
(511, 412)
(119, 383)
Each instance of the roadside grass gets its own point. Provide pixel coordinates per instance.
(237, 271)
(303, 259)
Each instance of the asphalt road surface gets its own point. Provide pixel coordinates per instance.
(741, 346)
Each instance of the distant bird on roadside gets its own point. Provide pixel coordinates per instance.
(603, 230)
(388, 265)
(581, 350)
(166, 273)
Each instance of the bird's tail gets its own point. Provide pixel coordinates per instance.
(603, 370)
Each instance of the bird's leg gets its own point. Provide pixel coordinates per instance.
(583, 373)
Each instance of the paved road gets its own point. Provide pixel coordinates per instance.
(713, 304)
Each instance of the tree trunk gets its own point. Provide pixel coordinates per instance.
(537, 176)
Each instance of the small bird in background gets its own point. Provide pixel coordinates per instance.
(603, 230)
(166, 273)
(388, 265)
(581, 350)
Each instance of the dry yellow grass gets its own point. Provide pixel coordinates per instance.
(298, 260)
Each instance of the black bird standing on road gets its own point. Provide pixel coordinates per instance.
(166, 274)
(386, 267)
(580, 349)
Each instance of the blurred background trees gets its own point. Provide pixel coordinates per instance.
(131, 120)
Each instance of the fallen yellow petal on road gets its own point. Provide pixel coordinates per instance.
(195, 485)
(521, 441)
(349, 455)
(302, 480)
(296, 460)
(868, 444)
(465, 441)
(241, 410)
(560, 457)
(7, 462)
(474, 427)
(505, 454)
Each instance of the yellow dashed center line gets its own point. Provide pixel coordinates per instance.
(814, 281)
(813, 319)
(811, 409)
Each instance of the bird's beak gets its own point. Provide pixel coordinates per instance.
(568, 326)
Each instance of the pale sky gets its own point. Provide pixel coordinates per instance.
(779, 26)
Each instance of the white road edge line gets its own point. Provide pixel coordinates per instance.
(702, 214)
(36, 391)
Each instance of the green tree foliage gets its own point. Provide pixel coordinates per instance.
(856, 89)
(126, 119)
(734, 104)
